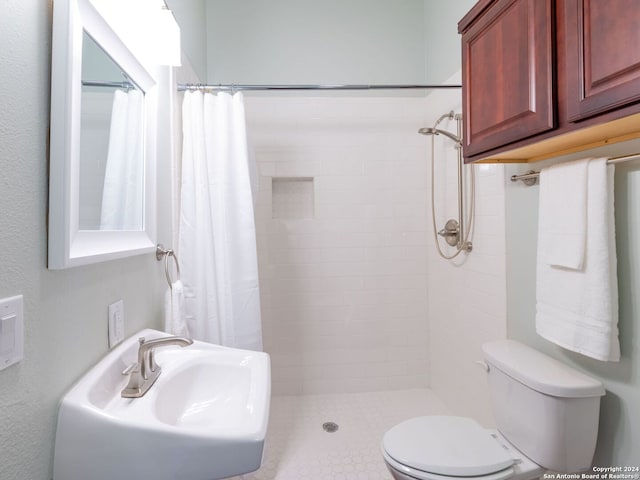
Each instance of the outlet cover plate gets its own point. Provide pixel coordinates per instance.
(116, 323)
(11, 331)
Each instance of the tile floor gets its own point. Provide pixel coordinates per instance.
(299, 449)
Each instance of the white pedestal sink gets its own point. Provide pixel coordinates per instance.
(205, 418)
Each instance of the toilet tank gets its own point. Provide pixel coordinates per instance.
(546, 409)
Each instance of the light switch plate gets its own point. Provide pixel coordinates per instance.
(116, 323)
(11, 331)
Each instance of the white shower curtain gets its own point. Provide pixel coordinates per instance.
(217, 237)
(123, 191)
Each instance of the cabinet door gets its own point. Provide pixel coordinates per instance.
(602, 55)
(508, 76)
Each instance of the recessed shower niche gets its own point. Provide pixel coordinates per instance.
(292, 197)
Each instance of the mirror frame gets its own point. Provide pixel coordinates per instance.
(68, 245)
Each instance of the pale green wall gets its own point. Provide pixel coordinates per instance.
(442, 49)
(64, 311)
(192, 18)
(306, 41)
(336, 41)
(619, 434)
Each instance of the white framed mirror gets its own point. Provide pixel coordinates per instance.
(102, 194)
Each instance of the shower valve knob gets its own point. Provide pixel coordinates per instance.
(447, 233)
(450, 232)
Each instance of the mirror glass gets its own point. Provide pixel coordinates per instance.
(111, 188)
(103, 132)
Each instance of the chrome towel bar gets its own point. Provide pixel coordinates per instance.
(531, 177)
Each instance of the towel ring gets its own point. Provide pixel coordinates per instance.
(161, 252)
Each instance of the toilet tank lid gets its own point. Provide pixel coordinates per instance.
(539, 371)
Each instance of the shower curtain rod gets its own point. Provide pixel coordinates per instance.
(93, 83)
(184, 87)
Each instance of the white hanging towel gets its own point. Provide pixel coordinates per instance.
(576, 284)
(174, 312)
(562, 230)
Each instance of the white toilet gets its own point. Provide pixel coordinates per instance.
(547, 418)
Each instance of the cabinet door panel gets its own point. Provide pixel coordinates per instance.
(508, 72)
(602, 55)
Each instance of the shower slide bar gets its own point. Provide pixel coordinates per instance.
(236, 88)
(531, 177)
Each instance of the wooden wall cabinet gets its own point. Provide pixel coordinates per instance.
(508, 85)
(603, 55)
(545, 77)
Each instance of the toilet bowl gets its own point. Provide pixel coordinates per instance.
(447, 448)
(547, 418)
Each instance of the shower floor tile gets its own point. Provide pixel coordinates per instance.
(298, 448)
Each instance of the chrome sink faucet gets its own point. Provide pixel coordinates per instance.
(146, 371)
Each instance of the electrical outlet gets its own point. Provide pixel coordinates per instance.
(116, 323)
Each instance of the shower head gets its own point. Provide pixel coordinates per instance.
(437, 131)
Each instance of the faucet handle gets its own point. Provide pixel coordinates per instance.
(134, 367)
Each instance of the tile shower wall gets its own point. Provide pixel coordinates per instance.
(467, 295)
(343, 286)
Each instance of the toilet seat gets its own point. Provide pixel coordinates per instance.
(408, 473)
(445, 445)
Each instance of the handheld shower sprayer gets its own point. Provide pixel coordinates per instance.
(455, 232)
(437, 131)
